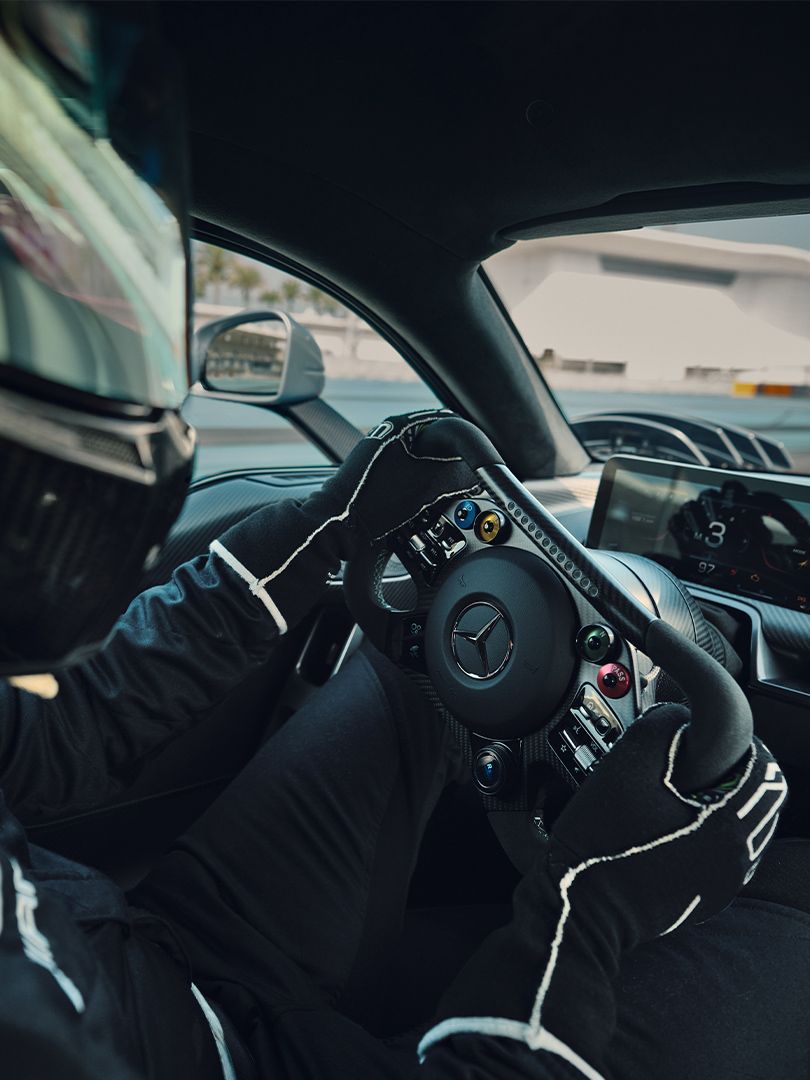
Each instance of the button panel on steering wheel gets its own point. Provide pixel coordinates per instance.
(581, 739)
(499, 631)
(432, 545)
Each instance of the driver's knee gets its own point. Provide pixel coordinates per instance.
(783, 876)
(424, 735)
(726, 998)
(368, 729)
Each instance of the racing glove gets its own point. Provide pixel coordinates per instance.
(285, 552)
(630, 858)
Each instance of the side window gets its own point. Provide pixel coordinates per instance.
(366, 379)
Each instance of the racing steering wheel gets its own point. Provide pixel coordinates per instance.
(522, 629)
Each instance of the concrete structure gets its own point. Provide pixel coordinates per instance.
(657, 305)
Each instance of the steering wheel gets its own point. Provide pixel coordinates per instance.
(522, 630)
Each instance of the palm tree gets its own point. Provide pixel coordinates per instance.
(245, 278)
(316, 298)
(200, 283)
(291, 291)
(271, 297)
(214, 266)
(323, 303)
(331, 306)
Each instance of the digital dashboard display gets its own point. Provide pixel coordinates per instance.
(741, 532)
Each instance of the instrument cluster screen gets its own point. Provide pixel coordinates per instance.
(741, 532)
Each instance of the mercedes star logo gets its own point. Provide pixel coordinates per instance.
(481, 641)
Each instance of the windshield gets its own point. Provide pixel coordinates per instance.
(672, 339)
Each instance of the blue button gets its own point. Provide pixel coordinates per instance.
(465, 514)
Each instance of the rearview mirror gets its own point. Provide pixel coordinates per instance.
(263, 356)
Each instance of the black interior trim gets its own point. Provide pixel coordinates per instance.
(711, 202)
(326, 427)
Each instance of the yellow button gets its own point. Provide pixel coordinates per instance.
(488, 526)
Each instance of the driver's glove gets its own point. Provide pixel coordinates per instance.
(285, 552)
(630, 858)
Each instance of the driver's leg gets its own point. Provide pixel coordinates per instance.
(288, 892)
(727, 998)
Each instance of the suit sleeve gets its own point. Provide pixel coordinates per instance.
(178, 650)
(467, 1057)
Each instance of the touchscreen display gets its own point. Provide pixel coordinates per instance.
(740, 532)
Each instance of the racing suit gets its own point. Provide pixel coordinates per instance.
(96, 984)
(280, 903)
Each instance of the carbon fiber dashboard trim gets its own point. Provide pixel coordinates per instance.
(771, 668)
(785, 629)
(572, 491)
(216, 503)
(213, 507)
(569, 498)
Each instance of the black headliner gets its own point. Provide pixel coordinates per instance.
(386, 147)
(420, 108)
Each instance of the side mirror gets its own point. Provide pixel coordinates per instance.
(261, 356)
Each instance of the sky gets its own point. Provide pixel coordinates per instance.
(792, 230)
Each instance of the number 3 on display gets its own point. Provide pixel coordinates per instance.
(717, 532)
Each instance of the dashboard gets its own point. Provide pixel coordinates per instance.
(745, 533)
(740, 541)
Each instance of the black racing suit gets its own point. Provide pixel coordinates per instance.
(92, 985)
(280, 903)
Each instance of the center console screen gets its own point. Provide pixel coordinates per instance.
(741, 532)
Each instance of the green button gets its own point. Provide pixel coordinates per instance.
(594, 642)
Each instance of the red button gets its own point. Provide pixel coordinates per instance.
(613, 680)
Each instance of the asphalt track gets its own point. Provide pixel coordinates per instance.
(235, 436)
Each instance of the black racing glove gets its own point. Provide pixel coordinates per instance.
(285, 552)
(629, 859)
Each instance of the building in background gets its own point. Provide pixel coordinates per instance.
(653, 306)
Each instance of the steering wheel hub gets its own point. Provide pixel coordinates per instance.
(482, 640)
(501, 628)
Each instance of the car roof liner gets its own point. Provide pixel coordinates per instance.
(462, 120)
